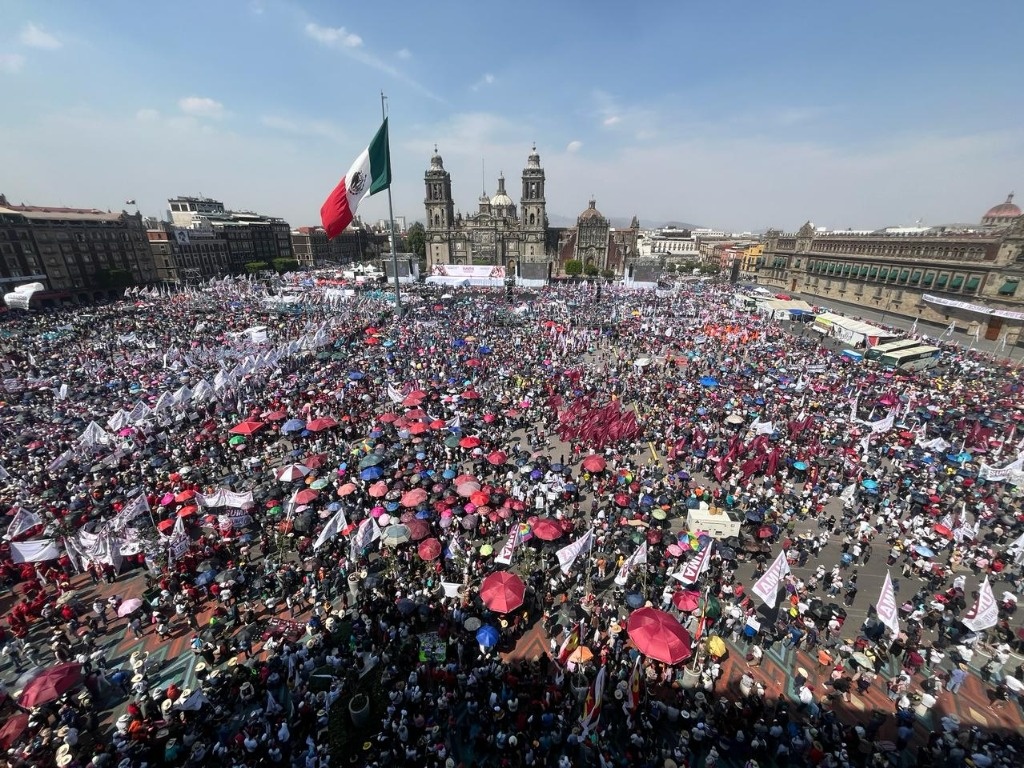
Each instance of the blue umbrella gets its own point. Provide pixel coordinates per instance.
(293, 425)
(448, 474)
(205, 578)
(334, 506)
(536, 474)
(391, 506)
(708, 381)
(423, 514)
(484, 350)
(355, 375)
(634, 599)
(487, 635)
(924, 551)
(799, 465)
(755, 515)
(459, 343)
(371, 473)
(870, 484)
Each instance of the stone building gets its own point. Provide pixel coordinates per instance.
(961, 274)
(595, 243)
(497, 234)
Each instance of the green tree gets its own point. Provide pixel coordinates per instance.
(285, 265)
(608, 274)
(254, 267)
(416, 239)
(573, 267)
(591, 270)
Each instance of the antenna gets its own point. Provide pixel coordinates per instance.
(483, 178)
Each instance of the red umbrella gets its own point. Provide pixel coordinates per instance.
(51, 685)
(942, 530)
(469, 442)
(378, 490)
(315, 461)
(463, 478)
(502, 591)
(658, 635)
(417, 428)
(185, 496)
(318, 425)
(467, 489)
(497, 458)
(12, 730)
(413, 399)
(191, 509)
(622, 499)
(348, 488)
(479, 498)
(686, 600)
(305, 496)
(594, 463)
(470, 394)
(438, 424)
(414, 497)
(418, 529)
(387, 418)
(246, 427)
(275, 416)
(165, 525)
(547, 529)
(429, 549)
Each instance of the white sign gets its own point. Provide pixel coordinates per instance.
(985, 612)
(767, 587)
(468, 271)
(886, 608)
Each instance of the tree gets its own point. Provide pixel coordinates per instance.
(286, 265)
(608, 274)
(416, 239)
(255, 267)
(573, 267)
(591, 270)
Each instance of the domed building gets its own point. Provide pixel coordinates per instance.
(1002, 214)
(496, 234)
(595, 243)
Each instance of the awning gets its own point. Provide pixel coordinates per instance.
(929, 278)
(973, 283)
(904, 275)
(957, 281)
(915, 276)
(873, 272)
(1009, 287)
(943, 279)
(884, 274)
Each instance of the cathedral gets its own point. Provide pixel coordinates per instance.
(521, 241)
(497, 234)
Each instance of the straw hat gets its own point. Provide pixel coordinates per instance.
(201, 667)
(165, 706)
(137, 678)
(614, 628)
(233, 661)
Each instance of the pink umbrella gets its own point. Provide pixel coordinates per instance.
(129, 606)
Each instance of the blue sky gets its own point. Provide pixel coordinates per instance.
(735, 115)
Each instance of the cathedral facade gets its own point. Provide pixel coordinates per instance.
(497, 234)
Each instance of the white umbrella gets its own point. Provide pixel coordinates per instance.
(293, 472)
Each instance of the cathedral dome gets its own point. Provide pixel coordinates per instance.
(1002, 212)
(591, 213)
(436, 163)
(533, 161)
(501, 198)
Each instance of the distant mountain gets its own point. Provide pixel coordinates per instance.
(557, 220)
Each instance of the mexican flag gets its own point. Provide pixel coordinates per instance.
(369, 174)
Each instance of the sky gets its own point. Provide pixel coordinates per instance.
(740, 116)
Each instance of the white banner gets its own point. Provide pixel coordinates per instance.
(134, 508)
(695, 566)
(23, 521)
(222, 497)
(639, 556)
(508, 548)
(767, 587)
(567, 555)
(883, 425)
(34, 551)
(468, 271)
(1000, 474)
(985, 612)
(888, 612)
(1009, 314)
(334, 525)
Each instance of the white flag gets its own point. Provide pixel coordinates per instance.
(767, 587)
(853, 408)
(985, 612)
(849, 493)
(639, 556)
(394, 394)
(23, 521)
(883, 425)
(886, 608)
(4, 475)
(508, 549)
(334, 525)
(695, 566)
(949, 331)
(567, 555)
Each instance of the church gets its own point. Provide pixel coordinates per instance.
(497, 234)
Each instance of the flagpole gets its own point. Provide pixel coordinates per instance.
(391, 219)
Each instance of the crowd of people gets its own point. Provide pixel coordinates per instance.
(316, 499)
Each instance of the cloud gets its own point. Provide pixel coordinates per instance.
(36, 37)
(574, 146)
(611, 120)
(11, 63)
(404, 54)
(352, 46)
(201, 106)
(486, 79)
(147, 115)
(333, 37)
(303, 127)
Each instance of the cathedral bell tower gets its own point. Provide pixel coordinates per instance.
(532, 207)
(440, 211)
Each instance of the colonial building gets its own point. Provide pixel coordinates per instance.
(250, 237)
(187, 255)
(496, 234)
(969, 274)
(78, 254)
(596, 244)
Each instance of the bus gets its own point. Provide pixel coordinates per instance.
(890, 346)
(913, 359)
(744, 302)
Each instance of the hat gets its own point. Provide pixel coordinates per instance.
(165, 706)
(137, 678)
(233, 661)
(201, 667)
(62, 760)
(614, 628)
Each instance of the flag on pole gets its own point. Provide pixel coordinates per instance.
(695, 566)
(23, 521)
(592, 706)
(952, 327)
(913, 328)
(639, 556)
(985, 612)
(767, 587)
(886, 608)
(632, 702)
(369, 174)
(570, 644)
(335, 524)
(509, 548)
(567, 555)
(394, 394)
